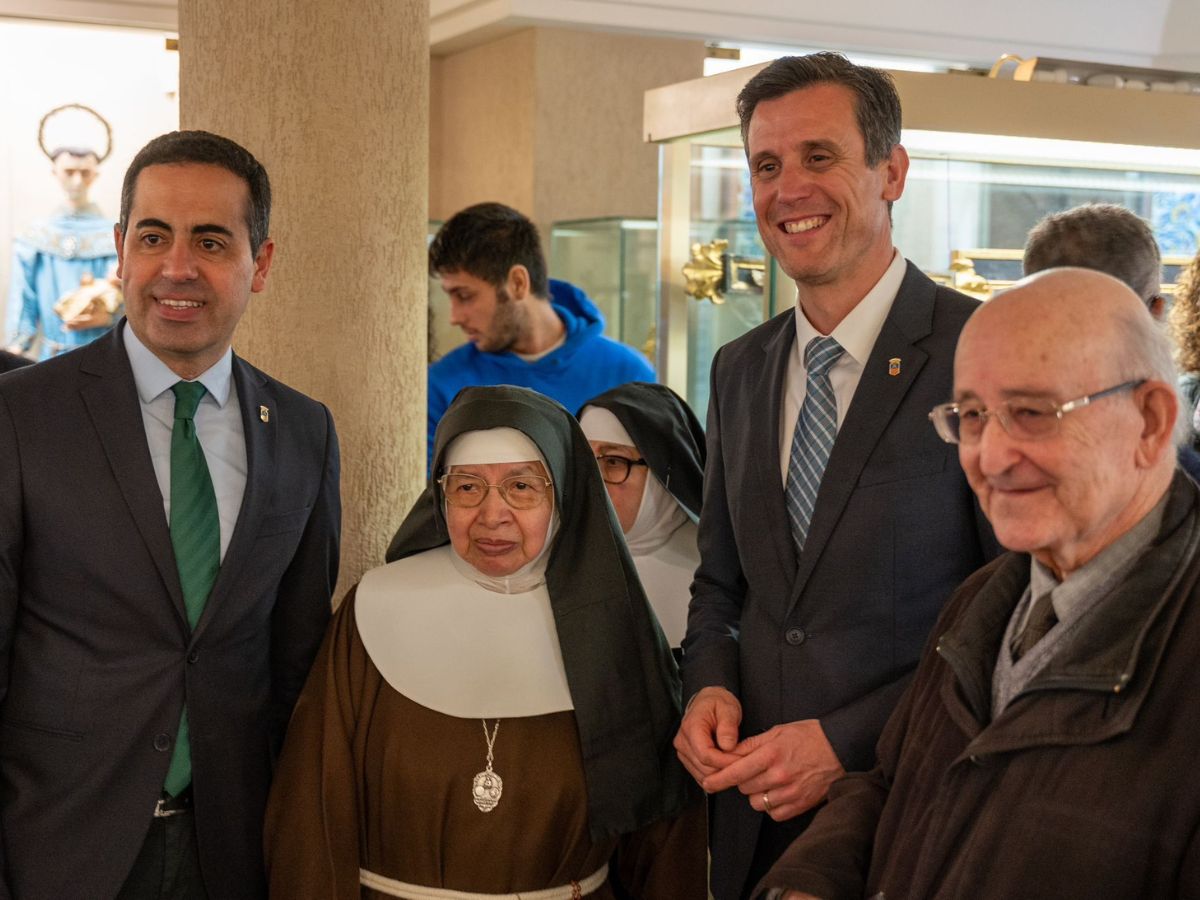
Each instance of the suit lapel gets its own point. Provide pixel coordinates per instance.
(253, 394)
(875, 402)
(112, 403)
(777, 347)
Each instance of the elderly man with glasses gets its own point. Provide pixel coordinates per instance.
(1046, 746)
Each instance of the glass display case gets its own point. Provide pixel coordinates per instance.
(988, 193)
(989, 158)
(615, 262)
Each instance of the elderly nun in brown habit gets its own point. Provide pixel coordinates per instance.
(492, 712)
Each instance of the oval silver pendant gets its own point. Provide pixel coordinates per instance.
(486, 790)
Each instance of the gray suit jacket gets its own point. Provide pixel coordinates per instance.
(96, 658)
(836, 634)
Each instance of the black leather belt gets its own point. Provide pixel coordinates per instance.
(173, 806)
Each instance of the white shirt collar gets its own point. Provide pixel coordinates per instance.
(153, 377)
(858, 332)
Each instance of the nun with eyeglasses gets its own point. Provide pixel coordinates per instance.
(649, 447)
(491, 713)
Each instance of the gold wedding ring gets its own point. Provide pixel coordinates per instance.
(766, 801)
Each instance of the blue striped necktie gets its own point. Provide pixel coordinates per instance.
(196, 537)
(812, 441)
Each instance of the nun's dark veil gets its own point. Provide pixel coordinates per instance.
(621, 675)
(667, 434)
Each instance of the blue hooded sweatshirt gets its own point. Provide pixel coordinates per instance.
(587, 364)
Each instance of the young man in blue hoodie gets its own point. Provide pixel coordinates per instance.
(522, 328)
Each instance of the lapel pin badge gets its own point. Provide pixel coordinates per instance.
(264, 414)
(894, 366)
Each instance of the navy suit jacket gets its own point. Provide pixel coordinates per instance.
(96, 657)
(835, 634)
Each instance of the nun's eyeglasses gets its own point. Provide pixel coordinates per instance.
(616, 469)
(518, 491)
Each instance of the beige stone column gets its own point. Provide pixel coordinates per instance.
(333, 99)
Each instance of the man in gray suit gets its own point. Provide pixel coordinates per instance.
(169, 520)
(824, 560)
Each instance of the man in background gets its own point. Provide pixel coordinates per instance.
(1104, 237)
(522, 327)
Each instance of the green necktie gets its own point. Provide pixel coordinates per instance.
(196, 537)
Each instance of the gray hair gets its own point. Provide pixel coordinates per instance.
(1100, 236)
(1144, 350)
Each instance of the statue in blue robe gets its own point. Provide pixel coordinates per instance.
(54, 259)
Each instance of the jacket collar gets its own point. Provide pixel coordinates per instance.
(1115, 654)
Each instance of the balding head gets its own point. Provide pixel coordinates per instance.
(1064, 487)
(1083, 318)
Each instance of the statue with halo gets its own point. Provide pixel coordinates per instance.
(63, 290)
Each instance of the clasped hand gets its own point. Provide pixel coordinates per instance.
(783, 771)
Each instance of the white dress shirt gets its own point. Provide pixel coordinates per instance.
(218, 426)
(857, 334)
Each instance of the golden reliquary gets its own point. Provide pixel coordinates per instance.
(91, 305)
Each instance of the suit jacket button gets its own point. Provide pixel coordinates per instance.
(795, 636)
(162, 742)
(194, 656)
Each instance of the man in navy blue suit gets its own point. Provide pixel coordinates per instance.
(808, 614)
(141, 706)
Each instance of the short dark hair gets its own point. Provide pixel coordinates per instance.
(1100, 236)
(486, 240)
(203, 147)
(876, 103)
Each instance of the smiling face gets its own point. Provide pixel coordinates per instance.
(493, 537)
(1066, 497)
(626, 497)
(822, 211)
(486, 314)
(185, 263)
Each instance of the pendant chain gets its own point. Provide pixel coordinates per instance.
(491, 741)
(487, 786)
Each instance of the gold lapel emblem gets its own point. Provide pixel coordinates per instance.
(264, 414)
(894, 366)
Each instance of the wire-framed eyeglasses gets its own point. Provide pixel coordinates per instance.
(518, 491)
(1024, 418)
(616, 469)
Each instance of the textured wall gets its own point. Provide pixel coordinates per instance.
(550, 121)
(482, 126)
(590, 154)
(333, 100)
